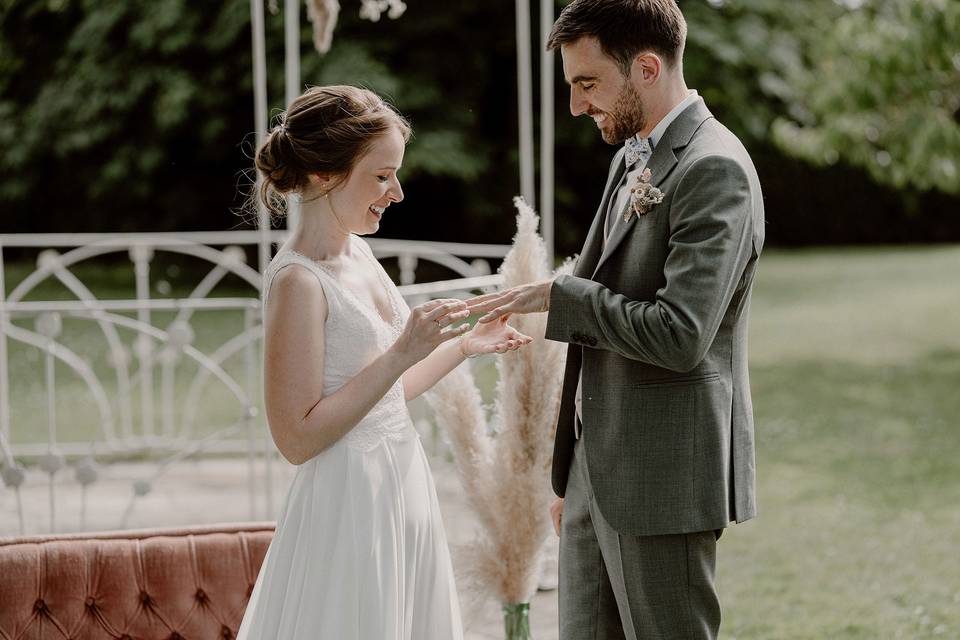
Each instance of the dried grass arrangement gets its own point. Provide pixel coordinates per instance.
(324, 13)
(504, 463)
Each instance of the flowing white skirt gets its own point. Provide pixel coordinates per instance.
(359, 553)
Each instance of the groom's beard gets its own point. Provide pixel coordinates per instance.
(627, 116)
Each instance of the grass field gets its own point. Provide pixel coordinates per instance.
(855, 365)
(78, 418)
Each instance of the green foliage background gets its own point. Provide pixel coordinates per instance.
(884, 94)
(137, 115)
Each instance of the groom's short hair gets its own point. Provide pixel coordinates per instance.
(624, 28)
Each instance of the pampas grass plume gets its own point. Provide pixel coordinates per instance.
(323, 14)
(505, 472)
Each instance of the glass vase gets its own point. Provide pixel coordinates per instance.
(516, 621)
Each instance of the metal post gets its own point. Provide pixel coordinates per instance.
(168, 388)
(51, 426)
(265, 249)
(546, 130)
(145, 348)
(260, 117)
(291, 24)
(4, 372)
(525, 102)
(250, 418)
(249, 431)
(6, 455)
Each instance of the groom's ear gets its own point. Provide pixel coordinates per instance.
(646, 68)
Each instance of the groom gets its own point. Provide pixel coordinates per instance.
(654, 451)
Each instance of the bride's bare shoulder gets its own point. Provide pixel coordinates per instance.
(294, 274)
(295, 285)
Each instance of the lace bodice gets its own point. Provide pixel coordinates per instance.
(355, 335)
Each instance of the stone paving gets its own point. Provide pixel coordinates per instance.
(215, 490)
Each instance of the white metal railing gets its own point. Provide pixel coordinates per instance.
(129, 378)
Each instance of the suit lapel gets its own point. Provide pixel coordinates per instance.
(661, 163)
(594, 242)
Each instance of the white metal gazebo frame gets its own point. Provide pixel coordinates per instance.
(156, 346)
(524, 100)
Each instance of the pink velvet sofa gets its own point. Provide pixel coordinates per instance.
(156, 584)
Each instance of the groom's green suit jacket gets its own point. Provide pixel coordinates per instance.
(657, 320)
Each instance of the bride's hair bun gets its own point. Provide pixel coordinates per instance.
(326, 130)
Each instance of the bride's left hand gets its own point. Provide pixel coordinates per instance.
(493, 337)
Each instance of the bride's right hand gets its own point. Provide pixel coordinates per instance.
(426, 328)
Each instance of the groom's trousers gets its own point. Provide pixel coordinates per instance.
(616, 586)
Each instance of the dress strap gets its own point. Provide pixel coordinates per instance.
(285, 259)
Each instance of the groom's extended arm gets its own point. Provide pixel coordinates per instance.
(709, 247)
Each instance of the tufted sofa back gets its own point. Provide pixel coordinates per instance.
(168, 584)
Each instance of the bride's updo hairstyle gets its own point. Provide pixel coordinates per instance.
(326, 130)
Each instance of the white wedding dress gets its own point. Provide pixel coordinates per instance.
(359, 551)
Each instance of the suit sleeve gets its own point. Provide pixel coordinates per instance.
(709, 246)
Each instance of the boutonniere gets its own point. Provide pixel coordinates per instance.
(643, 196)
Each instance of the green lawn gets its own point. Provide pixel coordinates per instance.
(855, 374)
(856, 377)
(78, 417)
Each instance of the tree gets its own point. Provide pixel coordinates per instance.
(743, 55)
(114, 107)
(138, 114)
(883, 93)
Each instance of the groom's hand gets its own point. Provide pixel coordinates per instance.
(526, 298)
(556, 513)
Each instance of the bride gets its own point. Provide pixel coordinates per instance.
(359, 551)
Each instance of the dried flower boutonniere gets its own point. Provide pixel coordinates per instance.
(643, 196)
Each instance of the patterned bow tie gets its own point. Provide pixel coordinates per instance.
(637, 150)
